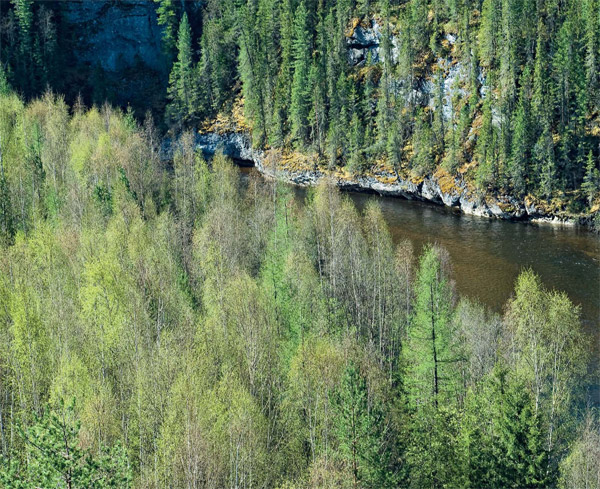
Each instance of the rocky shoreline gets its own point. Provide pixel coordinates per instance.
(458, 196)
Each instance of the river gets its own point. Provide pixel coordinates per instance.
(488, 254)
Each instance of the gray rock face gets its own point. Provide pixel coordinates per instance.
(237, 145)
(453, 79)
(362, 43)
(115, 35)
(232, 144)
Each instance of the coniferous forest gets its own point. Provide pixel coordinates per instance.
(505, 93)
(169, 323)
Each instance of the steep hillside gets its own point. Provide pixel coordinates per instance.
(502, 95)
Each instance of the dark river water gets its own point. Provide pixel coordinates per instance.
(487, 255)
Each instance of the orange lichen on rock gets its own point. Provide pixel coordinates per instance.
(446, 181)
(296, 161)
(388, 180)
(354, 23)
(227, 122)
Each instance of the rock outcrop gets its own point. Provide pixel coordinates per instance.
(115, 35)
(362, 43)
(115, 52)
(455, 193)
(233, 144)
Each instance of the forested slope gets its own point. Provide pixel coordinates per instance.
(502, 93)
(173, 326)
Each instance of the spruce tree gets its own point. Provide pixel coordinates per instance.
(253, 72)
(300, 96)
(592, 49)
(24, 65)
(54, 457)
(182, 81)
(422, 140)
(7, 225)
(522, 460)
(490, 32)
(167, 18)
(356, 136)
(591, 181)
(487, 147)
(521, 141)
(360, 431)
(545, 160)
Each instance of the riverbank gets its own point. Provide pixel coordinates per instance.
(439, 188)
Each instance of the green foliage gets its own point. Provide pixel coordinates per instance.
(221, 332)
(431, 353)
(54, 457)
(167, 18)
(361, 432)
(182, 81)
(520, 117)
(300, 95)
(591, 181)
(524, 459)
